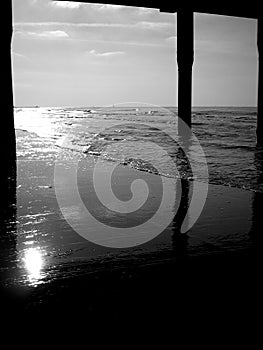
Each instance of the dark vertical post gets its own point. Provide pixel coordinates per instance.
(8, 252)
(7, 132)
(260, 82)
(185, 58)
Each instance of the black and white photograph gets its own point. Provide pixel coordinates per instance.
(131, 164)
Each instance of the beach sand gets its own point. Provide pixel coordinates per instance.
(212, 269)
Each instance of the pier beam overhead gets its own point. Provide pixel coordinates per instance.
(185, 59)
(260, 82)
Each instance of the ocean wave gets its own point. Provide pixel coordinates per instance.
(23, 132)
(226, 134)
(233, 147)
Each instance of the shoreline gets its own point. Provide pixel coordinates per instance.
(221, 251)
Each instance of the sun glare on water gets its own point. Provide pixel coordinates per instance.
(33, 261)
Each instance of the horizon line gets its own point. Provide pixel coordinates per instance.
(129, 105)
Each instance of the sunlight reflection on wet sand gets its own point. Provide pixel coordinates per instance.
(33, 263)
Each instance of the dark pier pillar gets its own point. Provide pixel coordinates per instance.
(260, 82)
(185, 59)
(7, 131)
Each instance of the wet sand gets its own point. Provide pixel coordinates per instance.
(211, 270)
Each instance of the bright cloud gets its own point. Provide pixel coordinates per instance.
(154, 25)
(65, 4)
(171, 39)
(106, 54)
(107, 7)
(18, 55)
(139, 25)
(47, 34)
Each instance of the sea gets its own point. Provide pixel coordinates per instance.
(42, 247)
(133, 135)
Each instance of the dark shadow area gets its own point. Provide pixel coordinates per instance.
(8, 252)
(257, 218)
(8, 170)
(180, 240)
(260, 82)
(7, 139)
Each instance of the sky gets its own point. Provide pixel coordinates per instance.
(73, 54)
